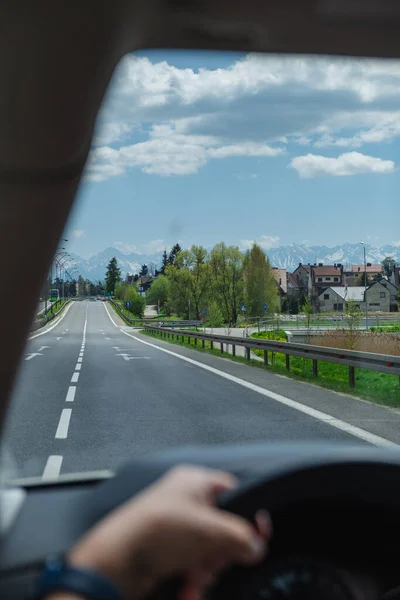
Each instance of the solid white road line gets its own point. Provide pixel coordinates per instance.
(75, 377)
(357, 432)
(63, 424)
(111, 319)
(78, 367)
(71, 392)
(53, 467)
(80, 359)
(32, 337)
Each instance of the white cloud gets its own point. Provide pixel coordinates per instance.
(265, 241)
(396, 244)
(349, 163)
(252, 108)
(77, 233)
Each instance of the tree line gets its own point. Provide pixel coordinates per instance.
(215, 286)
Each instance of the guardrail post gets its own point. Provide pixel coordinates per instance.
(352, 379)
(315, 367)
(195, 341)
(248, 353)
(203, 343)
(265, 357)
(233, 350)
(222, 347)
(189, 340)
(212, 345)
(287, 359)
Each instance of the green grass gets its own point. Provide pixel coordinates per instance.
(57, 306)
(381, 388)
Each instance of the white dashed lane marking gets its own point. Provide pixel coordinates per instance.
(63, 424)
(53, 467)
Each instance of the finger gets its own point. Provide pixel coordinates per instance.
(231, 538)
(202, 483)
(264, 524)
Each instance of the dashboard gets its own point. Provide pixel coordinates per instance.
(335, 512)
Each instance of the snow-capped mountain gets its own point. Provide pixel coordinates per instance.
(288, 257)
(94, 268)
(284, 257)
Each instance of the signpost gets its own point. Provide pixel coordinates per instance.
(265, 306)
(127, 304)
(243, 308)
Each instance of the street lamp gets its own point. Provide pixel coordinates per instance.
(365, 286)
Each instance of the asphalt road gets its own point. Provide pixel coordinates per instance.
(93, 393)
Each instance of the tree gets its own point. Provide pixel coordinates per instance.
(226, 268)
(362, 278)
(113, 275)
(164, 262)
(189, 279)
(215, 318)
(353, 318)
(388, 265)
(293, 304)
(160, 291)
(144, 271)
(137, 303)
(307, 309)
(260, 284)
(173, 254)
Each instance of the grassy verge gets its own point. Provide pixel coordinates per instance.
(56, 307)
(381, 388)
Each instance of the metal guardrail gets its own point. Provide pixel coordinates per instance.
(155, 320)
(38, 324)
(383, 363)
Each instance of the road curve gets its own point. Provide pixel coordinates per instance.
(93, 394)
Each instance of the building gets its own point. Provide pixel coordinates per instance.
(352, 273)
(326, 275)
(334, 298)
(144, 283)
(314, 278)
(280, 276)
(380, 296)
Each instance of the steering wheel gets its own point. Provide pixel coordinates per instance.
(298, 577)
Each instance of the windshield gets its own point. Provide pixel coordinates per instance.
(230, 265)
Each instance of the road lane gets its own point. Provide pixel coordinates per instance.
(93, 397)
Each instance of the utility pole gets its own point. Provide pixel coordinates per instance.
(365, 286)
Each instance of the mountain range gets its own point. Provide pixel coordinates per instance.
(284, 257)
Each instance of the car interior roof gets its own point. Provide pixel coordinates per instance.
(56, 60)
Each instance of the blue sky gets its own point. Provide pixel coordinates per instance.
(204, 147)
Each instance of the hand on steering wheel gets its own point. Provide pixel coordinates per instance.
(172, 529)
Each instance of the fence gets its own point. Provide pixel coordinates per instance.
(39, 323)
(320, 321)
(383, 363)
(155, 320)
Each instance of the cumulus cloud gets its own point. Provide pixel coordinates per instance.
(170, 121)
(349, 163)
(77, 233)
(266, 242)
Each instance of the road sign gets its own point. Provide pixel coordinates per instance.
(108, 294)
(265, 306)
(127, 304)
(243, 308)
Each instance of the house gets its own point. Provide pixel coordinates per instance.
(292, 283)
(144, 283)
(302, 274)
(352, 272)
(280, 276)
(324, 276)
(382, 296)
(395, 277)
(334, 298)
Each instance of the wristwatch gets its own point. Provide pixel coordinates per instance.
(59, 576)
